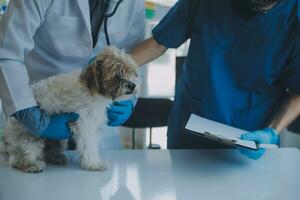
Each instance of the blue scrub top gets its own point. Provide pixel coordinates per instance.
(238, 68)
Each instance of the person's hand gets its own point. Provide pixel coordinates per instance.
(40, 124)
(266, 136)
(58, 128)
(119, 112)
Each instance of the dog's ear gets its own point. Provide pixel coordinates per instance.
(89, 78)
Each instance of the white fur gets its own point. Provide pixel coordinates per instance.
(2, 147)
(73, 97)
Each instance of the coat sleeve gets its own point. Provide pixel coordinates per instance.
(176, 27)
(137, 29)
(17, 30)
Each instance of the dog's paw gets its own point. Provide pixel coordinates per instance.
(31, 167)
(97, 166)
(57, 159)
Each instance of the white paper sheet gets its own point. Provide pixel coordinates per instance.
(218, 131)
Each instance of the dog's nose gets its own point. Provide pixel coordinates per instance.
(131, 87)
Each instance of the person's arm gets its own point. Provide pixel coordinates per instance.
(40, 124)
(173, 30)
(17, 29)
(147, 51)
(289, 111)
(287, 114)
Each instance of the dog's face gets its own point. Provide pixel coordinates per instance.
(112, 74)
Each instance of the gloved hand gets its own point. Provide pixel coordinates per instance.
(120, 111)
(40, 124)
(266, 136)
(58, 128)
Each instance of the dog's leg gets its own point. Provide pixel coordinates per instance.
(85, 136)
(24, 151)
(20, 160)
(54, 152)
(28, 156)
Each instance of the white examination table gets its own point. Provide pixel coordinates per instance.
(162, 175)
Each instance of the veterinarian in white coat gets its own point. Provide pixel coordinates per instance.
(42, 38)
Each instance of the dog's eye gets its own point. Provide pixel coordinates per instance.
(120, 80)
(118, 77)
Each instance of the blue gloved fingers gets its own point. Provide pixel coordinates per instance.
(121, 107)
(127, 103)
(123, 103)
(252, 154)
(118, 109)
(34, 119)
(117, 122)
(274, 136)
(71, 117)
(266, 136)
(114, 115)
(120, 103)
(119, 112)
(133, 100)
(39, 123)
(253, 136)
(58, 128)
(113, 123)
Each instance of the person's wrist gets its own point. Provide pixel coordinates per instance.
(58, 128)
(133, 102)
(274, 135)
(34, 119)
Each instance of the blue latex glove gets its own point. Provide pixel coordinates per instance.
(266, 136)
(119, 112)
(40, 124)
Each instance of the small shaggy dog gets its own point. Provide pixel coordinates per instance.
(112, 75)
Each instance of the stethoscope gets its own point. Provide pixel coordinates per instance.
(108, 15)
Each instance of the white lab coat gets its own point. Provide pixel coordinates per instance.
(41, 38)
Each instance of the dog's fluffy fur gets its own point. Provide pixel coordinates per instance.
(112, 75)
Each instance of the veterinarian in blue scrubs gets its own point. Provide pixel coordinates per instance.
(242, 68)
(42, 38)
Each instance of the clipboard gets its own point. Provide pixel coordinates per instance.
(219, 132)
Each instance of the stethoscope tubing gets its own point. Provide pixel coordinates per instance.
(106, 17)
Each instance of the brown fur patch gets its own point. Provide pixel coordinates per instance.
(110, 73)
